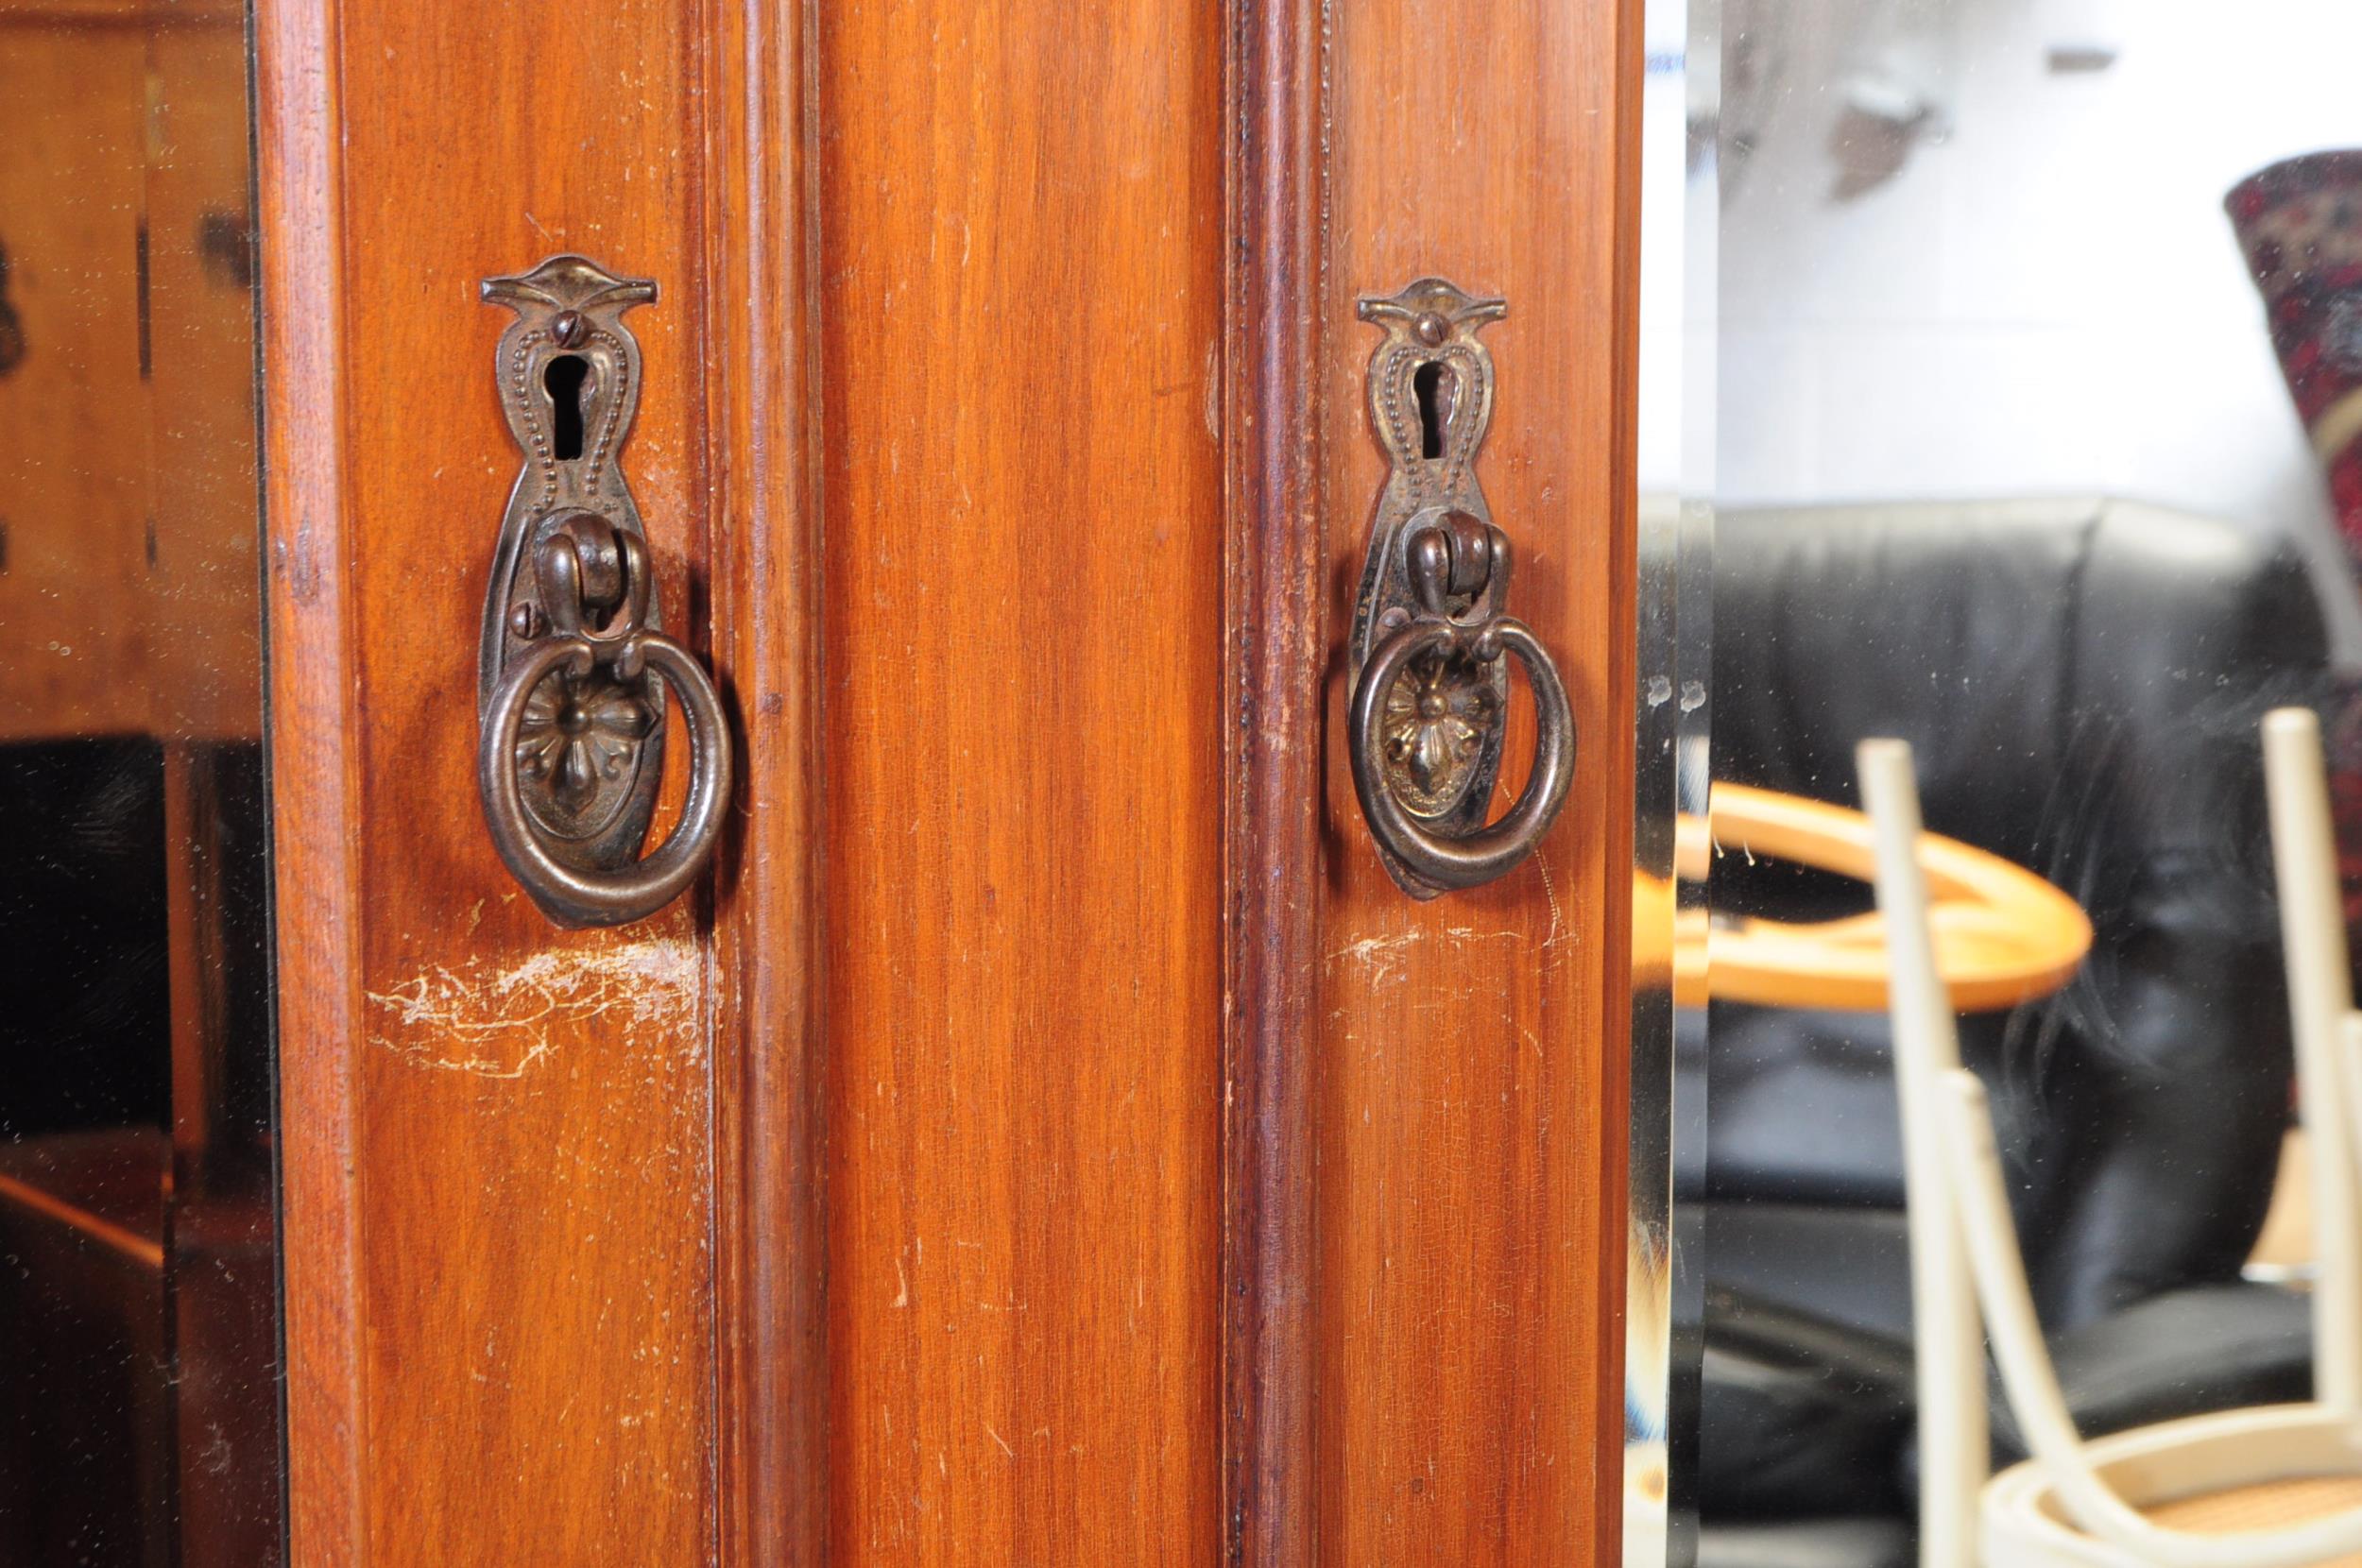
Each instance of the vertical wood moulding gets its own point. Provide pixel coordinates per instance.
(313, 743)
(1276, 639)
(769, 1057)
(1627, 82)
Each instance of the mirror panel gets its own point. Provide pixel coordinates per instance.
(139, 1397)
(2034, 401)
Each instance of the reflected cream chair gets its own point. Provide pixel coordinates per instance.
(2257, 1488)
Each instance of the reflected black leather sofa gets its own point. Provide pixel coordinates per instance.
(2081, 681)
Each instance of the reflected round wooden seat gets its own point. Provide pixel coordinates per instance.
(2229, 1473)
(2003, 935)
(2263, 1504)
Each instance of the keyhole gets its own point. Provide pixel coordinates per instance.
(1436, 388)
(564, 381)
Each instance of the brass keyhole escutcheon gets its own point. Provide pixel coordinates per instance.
(572, 663)
(1431, 642)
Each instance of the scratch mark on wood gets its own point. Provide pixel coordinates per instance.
(1382, 955)
(496, 1020)
(1555, 936)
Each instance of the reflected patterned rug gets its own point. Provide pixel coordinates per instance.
(2300, 226)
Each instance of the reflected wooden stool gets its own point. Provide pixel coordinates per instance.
(2269, 1487)
(2003, 935)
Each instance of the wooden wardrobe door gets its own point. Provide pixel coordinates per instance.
(499, 1172)
(1047, 1138)
(1471, 1080)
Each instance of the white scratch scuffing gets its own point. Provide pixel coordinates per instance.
(1383, 956)
(497, 1020)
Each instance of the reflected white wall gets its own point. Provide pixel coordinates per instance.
(2046, 298)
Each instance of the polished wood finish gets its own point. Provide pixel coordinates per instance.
(1050, 1139)
(1275, 349)
(499, 1209)
(1023, 647)
(1471, 1104)
(770, 1049)
(317, 906)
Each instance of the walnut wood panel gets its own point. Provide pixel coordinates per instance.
(1021, 299)
(500, 1310)
(1471, 1098)
(771, 1065)
(1053, 1140)
(51, 13)
(1275, 641)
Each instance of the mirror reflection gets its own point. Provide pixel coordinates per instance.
(139, 1400)
(2037, 400)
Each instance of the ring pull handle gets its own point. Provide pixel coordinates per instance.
(574, 660)
(1417, 712)
(590, 680)
(1429, 707)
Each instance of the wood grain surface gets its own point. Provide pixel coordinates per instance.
(1275, 635)
(1051, 1140)
(1471, 1104)
(771, 1062)
(1020, 218)
(316, 906)
(498, 1184)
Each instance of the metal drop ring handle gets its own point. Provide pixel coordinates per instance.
(574, 897)
(574, 660)
(1453, 863)
(1429, 714)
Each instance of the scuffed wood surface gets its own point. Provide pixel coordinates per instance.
(499, 1192)
(1471, 1107)
(873, 1210)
